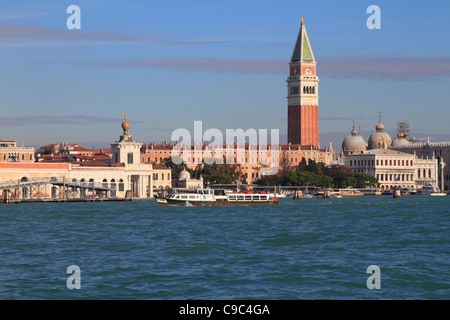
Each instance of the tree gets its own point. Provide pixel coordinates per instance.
(349, 182)
(339, 174)
(364, 180)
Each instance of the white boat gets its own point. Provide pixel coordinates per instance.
(439, 194)
(208, 197)
(350, 192)
(370, 191)
(278, 195)
(429, 190)
(335, 195)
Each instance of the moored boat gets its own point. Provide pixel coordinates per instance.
(439, 194)
(350, 192)
(370, 191)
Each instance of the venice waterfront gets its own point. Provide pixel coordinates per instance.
(300, 249)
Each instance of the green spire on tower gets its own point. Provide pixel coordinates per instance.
(302, 49)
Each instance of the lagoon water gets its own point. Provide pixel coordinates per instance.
(300, 249)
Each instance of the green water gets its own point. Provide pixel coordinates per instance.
(300, 249)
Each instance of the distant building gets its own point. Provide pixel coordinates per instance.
(394, 168)
(185, 181)
(124, 173)
(432, 150)
(251, 160)
(9, 152)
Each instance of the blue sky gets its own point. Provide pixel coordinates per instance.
(167, 64)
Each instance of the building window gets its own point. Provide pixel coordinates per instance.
(121, 185)
(130, 157)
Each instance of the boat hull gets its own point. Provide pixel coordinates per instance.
(171, 202)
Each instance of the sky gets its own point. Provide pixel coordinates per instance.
(167, 64)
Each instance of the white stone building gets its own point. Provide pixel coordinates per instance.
(125, 174)
(394, 168)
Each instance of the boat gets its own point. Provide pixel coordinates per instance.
(207, 196)
(438, 194)
(431, 191)
(350, 192)
(335, 195)
(370, 191)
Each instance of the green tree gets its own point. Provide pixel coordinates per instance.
(365, 180)
(349, 182)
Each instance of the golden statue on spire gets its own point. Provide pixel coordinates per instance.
(125, 124)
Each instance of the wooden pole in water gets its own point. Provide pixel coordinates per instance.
(397, 193)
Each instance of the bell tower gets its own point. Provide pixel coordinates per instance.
(303, 93)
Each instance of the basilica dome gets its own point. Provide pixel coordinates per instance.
(400, 141)
(379, 139)
(353, 143)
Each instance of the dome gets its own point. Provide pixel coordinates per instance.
(400, 141)
(353, 143)
(379, 126)
(379, 139)
(185, 175)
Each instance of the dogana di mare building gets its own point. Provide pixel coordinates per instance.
(126, 175)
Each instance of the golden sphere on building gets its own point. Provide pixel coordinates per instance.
(125, 125)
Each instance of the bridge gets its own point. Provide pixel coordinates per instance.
(54, 189)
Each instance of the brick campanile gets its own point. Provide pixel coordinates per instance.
(303, 94)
